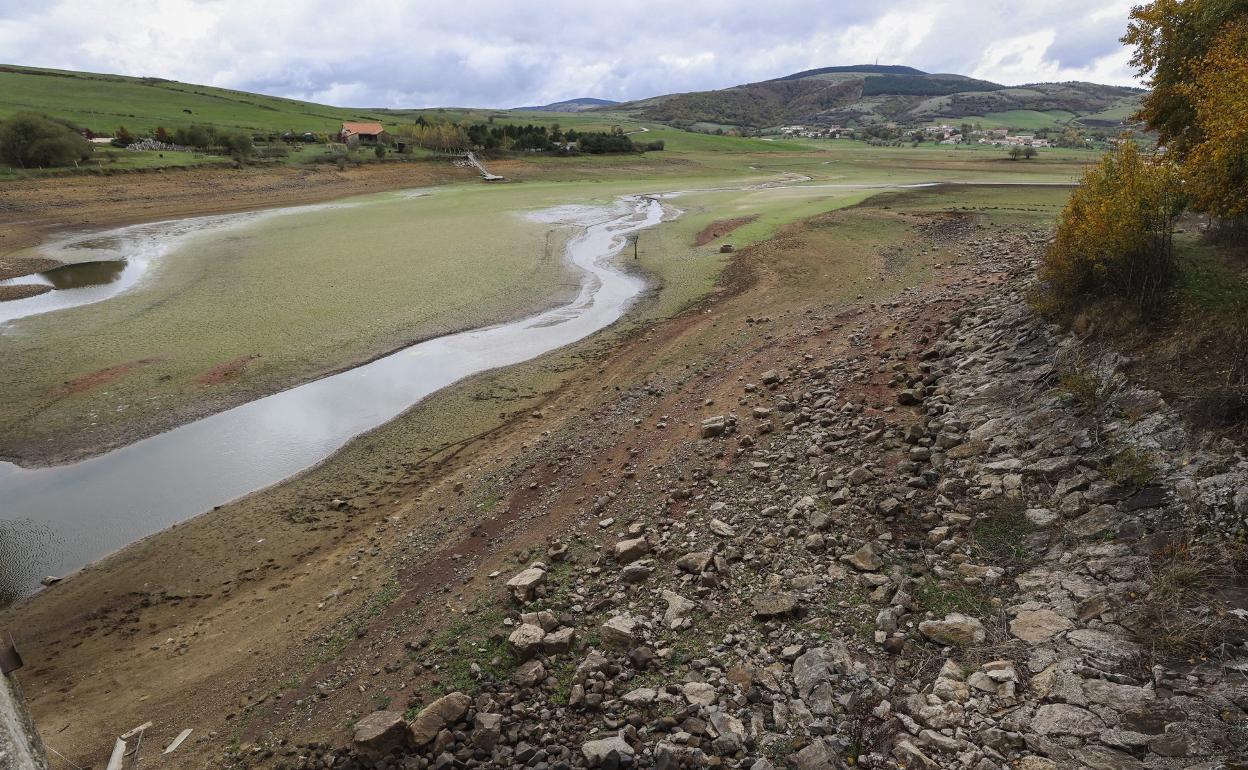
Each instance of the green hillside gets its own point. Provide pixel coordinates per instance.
(103, 102)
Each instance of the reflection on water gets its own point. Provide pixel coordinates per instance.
(103, 503)
(84, 274)
(32, 544)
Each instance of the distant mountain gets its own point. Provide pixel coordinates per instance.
(572, 105)
(872, 94)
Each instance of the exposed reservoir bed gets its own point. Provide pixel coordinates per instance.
(60, 518)
(79, 512)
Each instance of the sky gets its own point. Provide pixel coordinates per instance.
(483, 53)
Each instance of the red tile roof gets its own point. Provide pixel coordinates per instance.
(362, 128)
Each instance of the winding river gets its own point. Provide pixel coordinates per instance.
(55, 520)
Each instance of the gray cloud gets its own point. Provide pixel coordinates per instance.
(411, 53)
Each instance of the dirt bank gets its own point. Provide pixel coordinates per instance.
(720, 229)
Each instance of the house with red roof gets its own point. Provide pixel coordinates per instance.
(355, 134)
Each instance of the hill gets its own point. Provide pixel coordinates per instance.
(572, 105)
(103, 102)
(871, 94)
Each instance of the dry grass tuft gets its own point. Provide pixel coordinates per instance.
(1185, 611)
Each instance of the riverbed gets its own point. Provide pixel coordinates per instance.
(58, 519)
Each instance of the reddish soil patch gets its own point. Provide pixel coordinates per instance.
(101, 377)
(721, 228)
(228, 370)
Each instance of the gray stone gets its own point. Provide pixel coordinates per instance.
(379, 732)
(620, 631)
(1037, 626)
(678, 610)
(486, 730)
(819, 755)
(774, 605)
(1064, 719)
(444, 711)
(865, 559)
(699, 693)
(526, 640)
(628, 551)
(559, 641)
(597, 751)
(714, 426)
(529, 674)
(955, 629)
(526, 582)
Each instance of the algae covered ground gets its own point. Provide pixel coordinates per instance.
(234, 314)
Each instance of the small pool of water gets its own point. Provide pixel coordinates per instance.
(82, 274)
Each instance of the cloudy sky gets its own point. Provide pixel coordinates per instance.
(477, 53)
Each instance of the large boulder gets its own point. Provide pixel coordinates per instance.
(379, 732)
(444, 711)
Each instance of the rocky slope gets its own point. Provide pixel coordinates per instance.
(942, 535)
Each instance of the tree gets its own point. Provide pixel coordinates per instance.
(28, 140)
(160, 134)
(379, 150)
(123, 137)
(1070, 138)
(1015, 152)
(1170, 37)
(1216, 161)
(1030, 152)
(1113, 237)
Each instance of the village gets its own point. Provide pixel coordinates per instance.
(966, 133)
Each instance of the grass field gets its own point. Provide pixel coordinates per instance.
(1026, 120)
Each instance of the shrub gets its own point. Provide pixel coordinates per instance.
(123, 138)
(33, 141)
(237, 144)
(1114, 238)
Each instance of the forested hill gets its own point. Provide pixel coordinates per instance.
(867, 94)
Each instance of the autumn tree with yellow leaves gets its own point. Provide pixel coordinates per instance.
(1114, 236)
(1195, 56)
